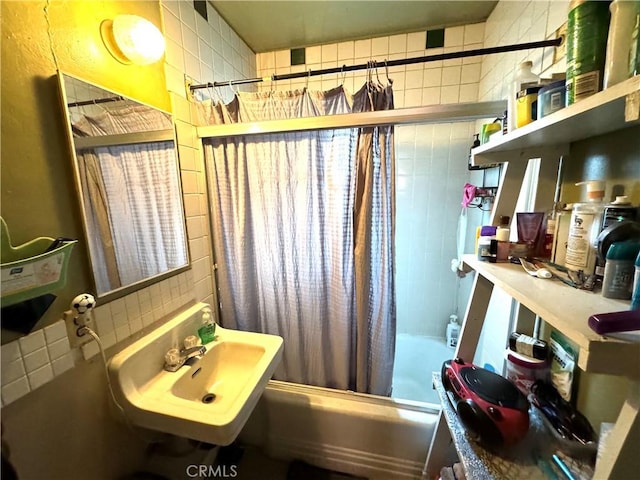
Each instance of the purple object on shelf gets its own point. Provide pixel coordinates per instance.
(624, 321)
(488, 231)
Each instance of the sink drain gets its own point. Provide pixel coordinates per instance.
(208, 398)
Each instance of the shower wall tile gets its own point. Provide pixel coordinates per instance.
(15, 390)
(362, 48)
(62, 364)
(40, 376)
(54, 332)
(416, 41)
(454, 36)
(397, 43)
(12, 371)
(58, 348)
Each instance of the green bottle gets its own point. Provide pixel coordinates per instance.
(208, 329)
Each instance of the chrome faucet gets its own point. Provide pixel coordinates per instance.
(174, 359)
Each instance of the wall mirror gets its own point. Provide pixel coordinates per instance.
(128, 181)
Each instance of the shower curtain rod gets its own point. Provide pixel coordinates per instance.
(387, 63)
(96, 101)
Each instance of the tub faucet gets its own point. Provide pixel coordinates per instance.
(174, 358)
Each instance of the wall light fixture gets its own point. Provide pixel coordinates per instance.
(132, 39)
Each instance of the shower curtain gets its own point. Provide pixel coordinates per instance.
(303, 228)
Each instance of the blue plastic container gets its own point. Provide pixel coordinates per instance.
(551, 98)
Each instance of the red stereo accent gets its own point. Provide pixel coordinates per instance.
(491, 408)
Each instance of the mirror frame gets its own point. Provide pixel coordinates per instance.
(144, 137)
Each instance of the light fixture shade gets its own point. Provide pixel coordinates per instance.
(133, 39)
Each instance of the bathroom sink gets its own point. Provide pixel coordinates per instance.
(209, 399)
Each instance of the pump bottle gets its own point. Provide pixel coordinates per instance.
(583, 229)
(208, 329)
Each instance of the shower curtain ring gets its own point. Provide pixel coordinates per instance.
(343, 75)
(386, 71)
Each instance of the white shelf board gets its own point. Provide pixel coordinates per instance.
(568, 310)
(596, 115)
(455, 112)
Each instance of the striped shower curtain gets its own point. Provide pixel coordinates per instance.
(303, 226)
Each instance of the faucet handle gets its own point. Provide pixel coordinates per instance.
(191, 341)
(172, 357)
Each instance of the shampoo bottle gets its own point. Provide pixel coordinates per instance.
(208, 329)
(584, 228)
(453, 331)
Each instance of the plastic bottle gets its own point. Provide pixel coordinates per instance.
(587, 32)
(623, 19)
(208, 329)
(523, 76)
(619, 270)
(618, 210)
(635, 297)
(453, 331)
(584, 228)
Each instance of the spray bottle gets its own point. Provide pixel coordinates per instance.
(583, 230)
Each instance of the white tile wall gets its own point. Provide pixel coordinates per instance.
(206, 50)
(39, 357)
(516, 22)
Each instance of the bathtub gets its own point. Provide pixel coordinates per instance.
(366, 435)
(417, 357)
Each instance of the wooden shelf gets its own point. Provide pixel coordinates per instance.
(613, 109)
(567, 310)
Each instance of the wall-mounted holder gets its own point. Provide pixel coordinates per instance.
(30, 273)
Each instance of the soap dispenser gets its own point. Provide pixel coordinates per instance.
(208, 329)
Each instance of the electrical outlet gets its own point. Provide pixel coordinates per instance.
(76, 340)
(561, 50)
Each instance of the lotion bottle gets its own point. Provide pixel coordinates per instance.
(583, 229)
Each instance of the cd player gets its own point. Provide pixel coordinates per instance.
(491, 408)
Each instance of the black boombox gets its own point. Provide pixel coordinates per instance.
(491, 408)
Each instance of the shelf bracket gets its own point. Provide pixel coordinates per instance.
(632, 107)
